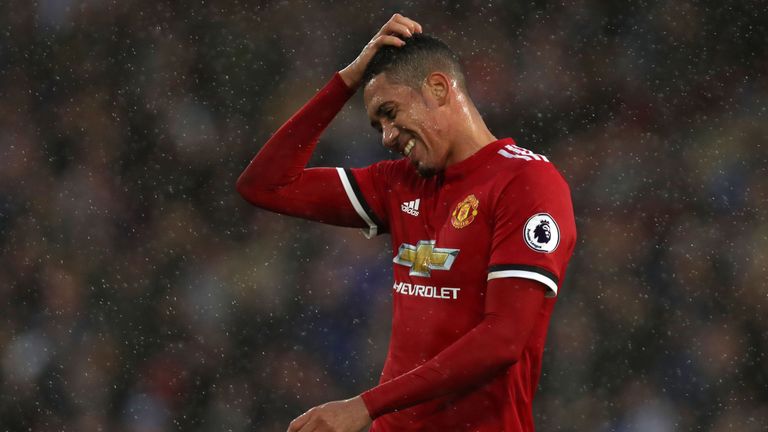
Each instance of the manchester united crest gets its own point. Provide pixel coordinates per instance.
(465, 212)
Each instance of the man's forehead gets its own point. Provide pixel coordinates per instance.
(375, 92)
(379, 90)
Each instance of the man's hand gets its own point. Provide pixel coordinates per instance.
(392, 33)
(349, 415)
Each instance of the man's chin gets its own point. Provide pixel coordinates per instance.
(425, 172)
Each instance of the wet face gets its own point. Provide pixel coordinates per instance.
(409, 122)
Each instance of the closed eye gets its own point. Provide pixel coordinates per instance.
(386, 111)
(390, 114)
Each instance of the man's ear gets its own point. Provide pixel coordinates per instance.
(437, 87)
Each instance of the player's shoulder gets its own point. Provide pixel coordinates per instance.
(516, 164)
(531, 185)
(394, 169)
(398, 165)
(396, 174)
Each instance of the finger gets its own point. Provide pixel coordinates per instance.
(411, 24)
(396, 28)
(312, 426)
(393, 18)
(299, 422)
(388, 40)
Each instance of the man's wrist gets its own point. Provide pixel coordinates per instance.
(350, 78)
(359, 404)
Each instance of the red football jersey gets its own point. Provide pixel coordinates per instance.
(503, 212)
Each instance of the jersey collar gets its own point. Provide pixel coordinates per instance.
(478, 161)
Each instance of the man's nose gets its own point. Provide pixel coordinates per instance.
(389, 135)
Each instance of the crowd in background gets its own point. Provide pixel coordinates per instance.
(141, 293)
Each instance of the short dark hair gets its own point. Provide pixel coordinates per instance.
(413, 62)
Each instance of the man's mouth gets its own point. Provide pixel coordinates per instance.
(409, 147)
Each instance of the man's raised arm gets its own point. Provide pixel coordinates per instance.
(277, 178)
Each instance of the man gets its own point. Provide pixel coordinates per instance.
(482, 231)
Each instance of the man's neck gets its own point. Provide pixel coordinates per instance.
(472, 136)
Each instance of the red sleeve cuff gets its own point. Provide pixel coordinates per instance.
(375, 406)
(421, 384)
(338, 84)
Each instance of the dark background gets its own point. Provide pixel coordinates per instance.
(141, 293)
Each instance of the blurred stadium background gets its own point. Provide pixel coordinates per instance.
(141, 293)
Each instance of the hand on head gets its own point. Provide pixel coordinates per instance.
(394, 33)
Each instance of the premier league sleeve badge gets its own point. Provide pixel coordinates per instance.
(541, 233)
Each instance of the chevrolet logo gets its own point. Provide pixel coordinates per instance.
(425, 257)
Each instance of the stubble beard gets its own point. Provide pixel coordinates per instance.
(425, 172)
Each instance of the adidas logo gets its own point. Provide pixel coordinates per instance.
(411, 207)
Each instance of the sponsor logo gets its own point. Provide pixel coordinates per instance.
(541, 233)
(465, 212)
(411, 207)
(426, 291)
(425, 257)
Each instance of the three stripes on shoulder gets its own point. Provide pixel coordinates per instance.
(513, 151)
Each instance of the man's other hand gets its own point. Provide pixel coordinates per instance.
(349, 415)
(394, 33)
